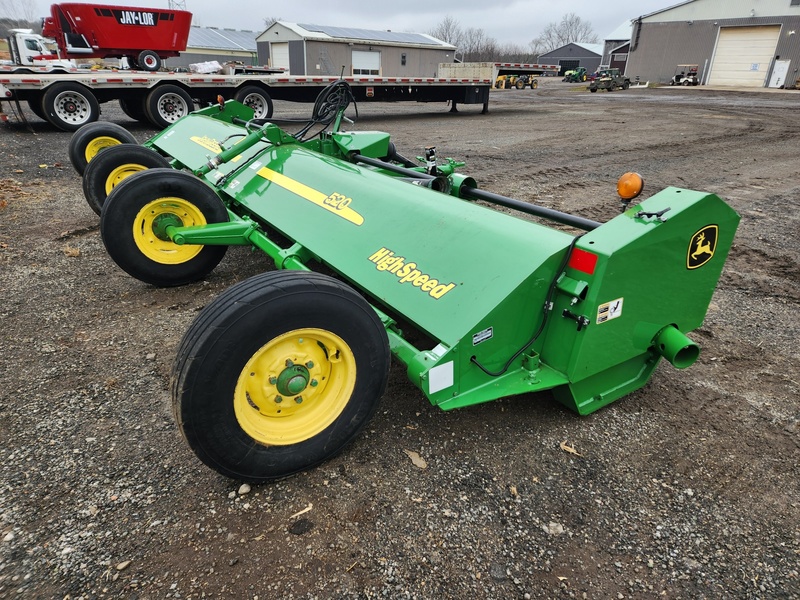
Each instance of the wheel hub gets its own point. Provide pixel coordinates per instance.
(292, 380)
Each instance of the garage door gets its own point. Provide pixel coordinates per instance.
(280, 55)
(743, 56)
(366, 63)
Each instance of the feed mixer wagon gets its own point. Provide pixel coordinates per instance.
(410, 260)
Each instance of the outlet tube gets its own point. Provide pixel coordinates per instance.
(679, 350)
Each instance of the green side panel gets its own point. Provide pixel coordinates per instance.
(196, 138)
(443, 263)
(374, 144)
(644, 280)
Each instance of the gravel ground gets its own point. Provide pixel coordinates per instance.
(687, 488)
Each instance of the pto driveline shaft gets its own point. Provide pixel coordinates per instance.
(531, 209)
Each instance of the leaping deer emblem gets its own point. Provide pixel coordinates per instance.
(701, 246)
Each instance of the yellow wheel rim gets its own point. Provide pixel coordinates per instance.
(121, 172)
(99, 143)
(149, 230)
(294, 387)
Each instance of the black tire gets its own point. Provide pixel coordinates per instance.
(112, 166)
(68, 106)
(519, 84)
(90, 139)
(626, 85)
(142, 201)
(132, 63)
(219, 377)
(593, 89)
(36, 108)
(149, 60)
(686, 83)
(133, 106)
(256, 98)
(166, 104)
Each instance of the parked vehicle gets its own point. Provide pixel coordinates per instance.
(610, 80)
(575, 75)
(143, 36)
(685, 75)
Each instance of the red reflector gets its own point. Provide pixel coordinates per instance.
(583, 261)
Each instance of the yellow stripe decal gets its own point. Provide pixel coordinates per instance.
(338, 204)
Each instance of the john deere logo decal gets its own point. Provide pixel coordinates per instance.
(702, 247)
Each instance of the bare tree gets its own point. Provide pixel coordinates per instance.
(22, 10)
(448, 30)
(570, 29)
(269, 21)
(478, 47)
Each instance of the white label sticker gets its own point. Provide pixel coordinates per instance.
(482, 336)
(609, 310)
(440, 377)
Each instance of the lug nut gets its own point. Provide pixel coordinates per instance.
(310, 364)
(289, 362)
(278, 399)
(273, 380)
(314, 383)
(299, 399)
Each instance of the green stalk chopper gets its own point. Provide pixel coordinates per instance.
(281, 371)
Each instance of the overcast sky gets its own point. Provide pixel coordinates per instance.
(504, 20)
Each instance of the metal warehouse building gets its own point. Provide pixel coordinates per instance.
(322, 50)
(573, 55)
(741, 43)
(222, 45)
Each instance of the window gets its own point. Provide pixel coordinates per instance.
(403, 56)
(794, 3)
(32, 45)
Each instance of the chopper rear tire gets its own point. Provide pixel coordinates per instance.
(231, 414)
(109, 168)
(131, 220)
(90, 139)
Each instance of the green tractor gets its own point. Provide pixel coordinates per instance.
(378, 256)
(577, 75)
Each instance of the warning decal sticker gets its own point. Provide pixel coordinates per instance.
(609, 310)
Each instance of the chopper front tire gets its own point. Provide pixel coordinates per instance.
(109, 168)
(138, 210)
(283, 329)
(89, 140)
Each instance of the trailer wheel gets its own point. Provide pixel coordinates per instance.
(256, 98)
(134, 108)
(278, 374)
(166, 104)
(90, 139)
(136, 214)
(112, 166)
(36, 108)
(149, 60)
(68, 106)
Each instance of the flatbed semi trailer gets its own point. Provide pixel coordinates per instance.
(71, 98)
